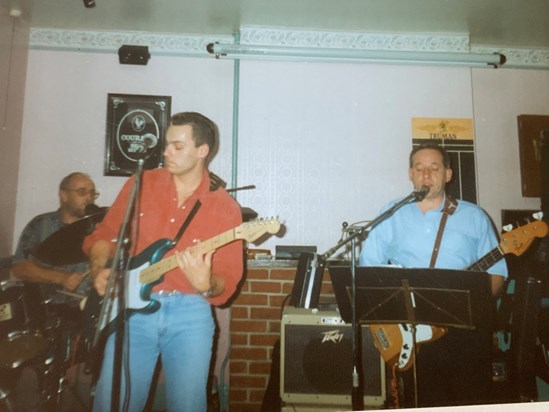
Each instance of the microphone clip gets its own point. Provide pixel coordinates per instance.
(419, 195)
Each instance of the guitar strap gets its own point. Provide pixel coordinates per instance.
(450, 206)
(186, 223)
(215, 183)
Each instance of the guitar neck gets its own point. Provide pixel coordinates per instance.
(487, 260)
(156, 270)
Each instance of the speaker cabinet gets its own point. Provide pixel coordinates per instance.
(134, 55)
(524, 332)
(316, 361)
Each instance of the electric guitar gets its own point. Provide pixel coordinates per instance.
(148, 268)
(395, 341)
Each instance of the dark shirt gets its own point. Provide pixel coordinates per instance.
(36, 231)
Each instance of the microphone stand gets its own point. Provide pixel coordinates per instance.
(116, 287)
(415, 196)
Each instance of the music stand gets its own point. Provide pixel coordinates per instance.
(441, 297)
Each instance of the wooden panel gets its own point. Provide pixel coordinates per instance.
(529, 130)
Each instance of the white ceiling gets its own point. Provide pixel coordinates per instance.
(504, 23)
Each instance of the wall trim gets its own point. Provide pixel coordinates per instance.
(195, 45)
(354, 40)
(519, 58)
(110, 41)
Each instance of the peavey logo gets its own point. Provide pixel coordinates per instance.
(334, 336)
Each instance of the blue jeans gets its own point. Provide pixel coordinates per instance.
(181, 332)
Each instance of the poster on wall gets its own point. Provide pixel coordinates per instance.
(136, 126)
(531, 129)
(457, 137)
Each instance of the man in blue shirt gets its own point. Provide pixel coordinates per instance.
(456, 369)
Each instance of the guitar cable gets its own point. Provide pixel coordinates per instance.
(394, 387)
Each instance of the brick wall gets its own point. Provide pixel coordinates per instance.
(255, 327)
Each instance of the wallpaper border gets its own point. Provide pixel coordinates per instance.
(195, 45)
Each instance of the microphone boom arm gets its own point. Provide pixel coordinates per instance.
(415, 196)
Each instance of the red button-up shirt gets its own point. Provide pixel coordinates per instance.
(160, 217)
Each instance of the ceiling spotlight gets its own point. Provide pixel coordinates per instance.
(89, 4)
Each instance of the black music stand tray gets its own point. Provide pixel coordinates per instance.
(389, 295)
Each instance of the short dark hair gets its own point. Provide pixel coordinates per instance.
(66, 181)
(205, 131)
(431, 146)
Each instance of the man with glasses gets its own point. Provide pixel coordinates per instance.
(76, 191)
(60, 287)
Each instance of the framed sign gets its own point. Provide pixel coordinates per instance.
(530, 129)
(136, 126)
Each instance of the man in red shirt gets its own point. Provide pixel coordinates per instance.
(181, 330)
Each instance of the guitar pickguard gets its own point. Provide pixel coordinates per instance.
(137, 294)
(141, 301)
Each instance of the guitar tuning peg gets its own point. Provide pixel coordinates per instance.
(508, 228)
(538, 215)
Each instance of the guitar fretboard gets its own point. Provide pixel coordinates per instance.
(156, 270)
(487, 260)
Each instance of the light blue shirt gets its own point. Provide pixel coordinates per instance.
(408, 236)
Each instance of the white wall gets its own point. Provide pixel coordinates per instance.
(499, 97)
(328, 143)
(323, 143)
(65, 116)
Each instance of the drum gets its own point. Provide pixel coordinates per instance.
(22, 315)
(21, 347)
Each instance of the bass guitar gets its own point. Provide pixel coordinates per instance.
(395, 342)
(148, 268)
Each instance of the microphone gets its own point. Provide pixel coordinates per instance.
(92, 208)
(420, 194)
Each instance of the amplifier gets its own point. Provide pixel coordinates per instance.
(316, 360)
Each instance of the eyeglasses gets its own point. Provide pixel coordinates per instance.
(83, 192)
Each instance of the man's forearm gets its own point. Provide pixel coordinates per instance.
(30, 271)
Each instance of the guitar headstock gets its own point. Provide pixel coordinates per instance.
(254, 229)
(517, 241)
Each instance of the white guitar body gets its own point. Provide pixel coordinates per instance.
(134, 300)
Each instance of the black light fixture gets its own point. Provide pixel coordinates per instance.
(89, 4)
(134, 55)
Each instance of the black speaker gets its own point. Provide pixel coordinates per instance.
(316, 361)
(543, 250)
(544, 172)
(134, 55)
(524, 332)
